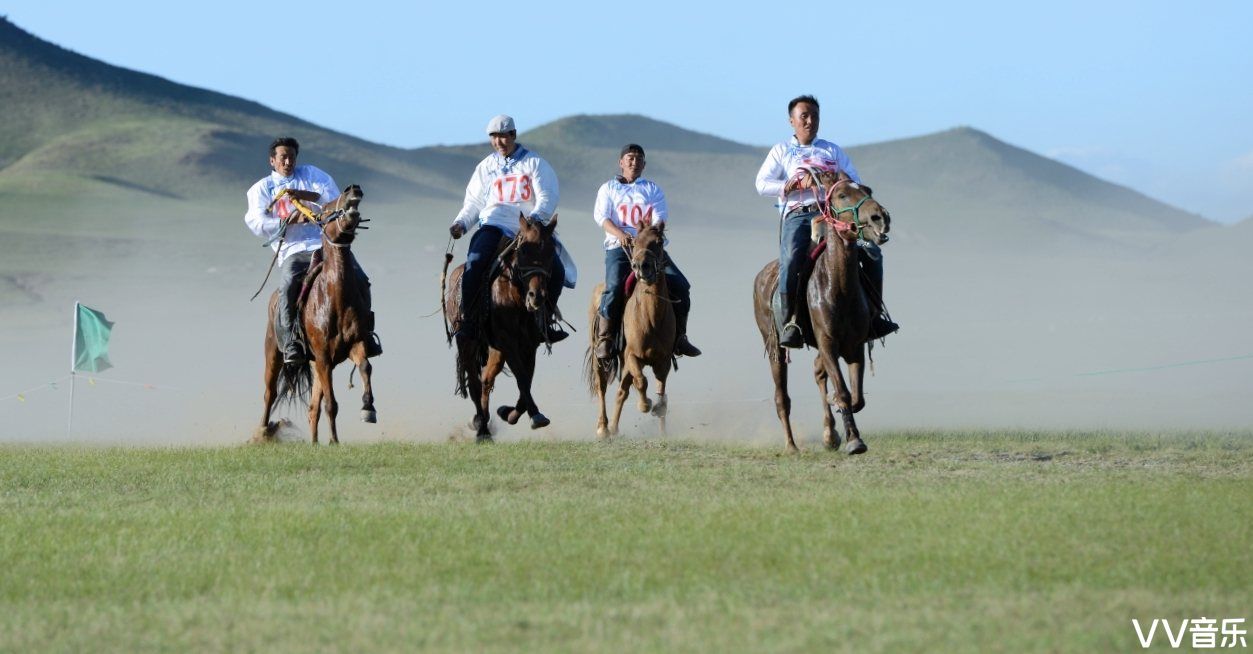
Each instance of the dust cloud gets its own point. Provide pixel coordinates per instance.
(990, 339)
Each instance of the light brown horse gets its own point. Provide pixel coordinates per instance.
(648, 330)
(510, 329)
(839, 312)
(336, 319)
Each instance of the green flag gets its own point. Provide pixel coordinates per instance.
(91, 340)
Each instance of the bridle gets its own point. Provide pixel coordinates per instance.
(830, 215)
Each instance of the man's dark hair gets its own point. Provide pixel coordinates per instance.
(631, 147)
(286, 141)
(799, 99)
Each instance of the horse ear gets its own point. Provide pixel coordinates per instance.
(660, 227)
(522, 221)
(552, 224)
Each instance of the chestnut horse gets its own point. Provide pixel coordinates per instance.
(648, 334)
(336, 319)
(839, 309)
(511, 315)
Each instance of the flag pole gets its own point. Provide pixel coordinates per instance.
(69, 426)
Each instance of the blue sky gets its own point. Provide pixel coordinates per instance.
(1153, 95)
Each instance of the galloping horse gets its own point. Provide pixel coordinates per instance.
(336, 319)
(839, 309)
(511, 316)
(648, 329)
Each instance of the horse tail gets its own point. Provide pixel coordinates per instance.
(589, 371)
(294, 384)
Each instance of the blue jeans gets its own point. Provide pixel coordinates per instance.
(479, 259)
(794, 246)
(618, 266)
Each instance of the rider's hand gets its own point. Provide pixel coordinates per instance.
(457, 230)
(798, 184)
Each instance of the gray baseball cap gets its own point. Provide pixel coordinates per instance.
(500, 124)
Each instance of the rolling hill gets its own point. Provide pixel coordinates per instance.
(72, 122)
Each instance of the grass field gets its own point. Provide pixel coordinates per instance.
(932, 542)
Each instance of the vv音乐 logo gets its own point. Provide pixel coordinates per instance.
(1205, 632)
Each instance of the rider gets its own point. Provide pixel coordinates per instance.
(622, 205)
(295, 240)
(777, 179)
(509, 181)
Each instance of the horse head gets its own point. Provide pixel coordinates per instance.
(853, 203)
(648, 255)
(532, 260)
(341, 219)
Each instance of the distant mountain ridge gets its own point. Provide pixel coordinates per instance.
(72, 120)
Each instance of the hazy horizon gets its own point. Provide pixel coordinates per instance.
(1107, 104)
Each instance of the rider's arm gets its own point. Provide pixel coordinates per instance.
(258, 218)
(657, 206)
(772, 175)
(546, 192)
(603, 213)
(476, 199)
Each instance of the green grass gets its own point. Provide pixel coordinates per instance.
(936, 542)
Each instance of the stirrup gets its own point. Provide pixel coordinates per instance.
(373, 345)
(791, 336)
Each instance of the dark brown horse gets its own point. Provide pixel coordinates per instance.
(648, 329)
(511, 324)
(839, 310)
(337, 320)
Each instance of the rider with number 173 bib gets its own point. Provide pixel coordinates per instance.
(510, 181)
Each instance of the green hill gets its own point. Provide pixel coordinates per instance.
(77, 124)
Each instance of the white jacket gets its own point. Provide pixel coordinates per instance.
(790, 156)
(629, 206)
(302, 237)
(501, 188)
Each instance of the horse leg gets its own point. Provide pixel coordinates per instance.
(491, 371)
(662, 372)
(782, 403)
(856, 371)
(601, 380)
(641, 383)
(624, 389)
(843, 400)
(830, 437)
(322, 369)
(523, 366)
(273, 364)
(481, 390)
(315, 407)
(364, 367)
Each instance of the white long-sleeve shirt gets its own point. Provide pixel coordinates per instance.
(629, 206)
(501, 188)
(790, 156)
(302, 237)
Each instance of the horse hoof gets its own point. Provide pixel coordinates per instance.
(856, 446)
(483, 438)
(539, 421)
(369, 415)
(508, 414)
(659, 410)
(834, 444)
(602, 433)
(646, 405)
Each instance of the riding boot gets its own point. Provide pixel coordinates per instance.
(606, 337)
(682, 346)
(880, 324)
(790, 335)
